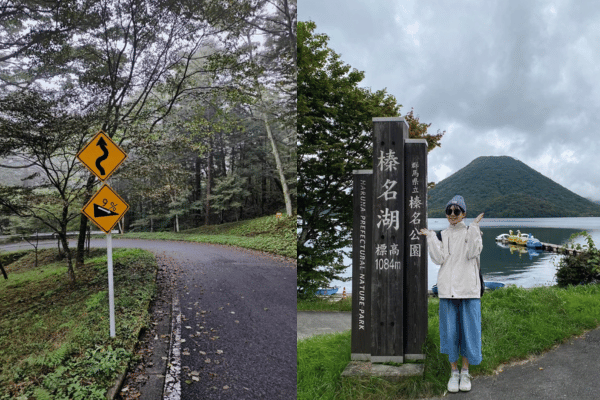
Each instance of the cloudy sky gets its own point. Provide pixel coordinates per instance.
(518, 78)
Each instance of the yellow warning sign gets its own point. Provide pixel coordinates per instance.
(102, 156)
(105, 208)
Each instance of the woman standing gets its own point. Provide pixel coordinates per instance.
(459, 291)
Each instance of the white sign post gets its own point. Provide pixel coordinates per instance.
(111, 291)
(106, 208)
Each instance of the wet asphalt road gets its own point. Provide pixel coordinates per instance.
(238, 325)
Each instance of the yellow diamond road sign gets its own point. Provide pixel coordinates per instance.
(102, 156)
(105, 208)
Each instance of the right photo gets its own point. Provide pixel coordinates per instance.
(448, 200)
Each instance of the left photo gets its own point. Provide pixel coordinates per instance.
(148, 199)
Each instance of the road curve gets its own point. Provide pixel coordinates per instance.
(238, 318)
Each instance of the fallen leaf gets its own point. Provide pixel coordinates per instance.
(219, 351)
(196, 378)
(207, 361)
(225, 387)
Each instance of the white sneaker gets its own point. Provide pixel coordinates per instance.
(465, 382)
(453, 382)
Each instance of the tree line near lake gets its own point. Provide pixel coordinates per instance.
(200, 95)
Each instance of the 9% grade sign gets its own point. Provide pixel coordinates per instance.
(102, 157)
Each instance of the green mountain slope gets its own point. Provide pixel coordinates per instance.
(503, 187)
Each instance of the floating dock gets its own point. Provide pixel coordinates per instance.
(560, 249)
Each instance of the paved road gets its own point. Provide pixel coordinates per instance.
(312, 323)
(237, 326)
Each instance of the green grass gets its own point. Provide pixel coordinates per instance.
(319, 304)
(54, 337)
(269, 234)
(516, 323)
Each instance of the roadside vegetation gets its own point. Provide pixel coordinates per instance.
(516, 323)
(54, 335)
(269, 234)
(324, 304)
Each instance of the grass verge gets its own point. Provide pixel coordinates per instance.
(516, 323)
(269, 234)
(323, 304)
(54, 337)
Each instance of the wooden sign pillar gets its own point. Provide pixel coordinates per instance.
(415, 248)
(362, 258)
(387, 308)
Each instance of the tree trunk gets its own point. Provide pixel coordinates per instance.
(3, 271)
(286, 192)
(176, 223)
(83, 223)
(65, 244)
(198, 188)
(208, 181)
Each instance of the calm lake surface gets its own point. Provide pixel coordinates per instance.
(500, 263)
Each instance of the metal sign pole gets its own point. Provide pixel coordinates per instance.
(111, 294)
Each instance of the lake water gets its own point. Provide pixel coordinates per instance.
(502, 263)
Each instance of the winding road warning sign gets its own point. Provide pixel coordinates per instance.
(102, 156)
(105, 209)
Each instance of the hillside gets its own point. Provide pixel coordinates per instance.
(504, 187)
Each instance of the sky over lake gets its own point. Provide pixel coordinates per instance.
(517, 78)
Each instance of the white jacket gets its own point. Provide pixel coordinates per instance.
(458, 277)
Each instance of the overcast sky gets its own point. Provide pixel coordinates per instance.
(518, 78)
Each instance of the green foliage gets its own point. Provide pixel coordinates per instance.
(270, 234)
(54, 335)
(334, 138)
(319, 304)
(516, 323)
(502, 187)
(580, 269)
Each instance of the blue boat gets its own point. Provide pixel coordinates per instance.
(534, 243)
(488, 286)
(327, 291)
(493, 285)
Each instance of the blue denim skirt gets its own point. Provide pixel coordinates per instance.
(460, 329)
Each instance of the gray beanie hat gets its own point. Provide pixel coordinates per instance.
(458, 201)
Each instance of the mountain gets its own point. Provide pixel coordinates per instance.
(504, 187)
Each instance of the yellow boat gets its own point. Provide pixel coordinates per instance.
(522, 239)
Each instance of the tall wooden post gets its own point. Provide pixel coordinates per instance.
(362, 247)
(415, 248)
(387, 342)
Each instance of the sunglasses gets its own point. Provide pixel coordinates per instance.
(456, 211)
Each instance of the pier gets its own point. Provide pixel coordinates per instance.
(560, 249)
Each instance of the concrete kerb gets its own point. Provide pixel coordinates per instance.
(119, 381)
(392, 373)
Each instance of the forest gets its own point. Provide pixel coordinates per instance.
(200, 95)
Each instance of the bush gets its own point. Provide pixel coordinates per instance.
(581, 269)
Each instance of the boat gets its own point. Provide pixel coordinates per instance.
(493, 285)
(488, 286)
(327, 291)
(533, 243)
(503, 238)
(522, 239)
